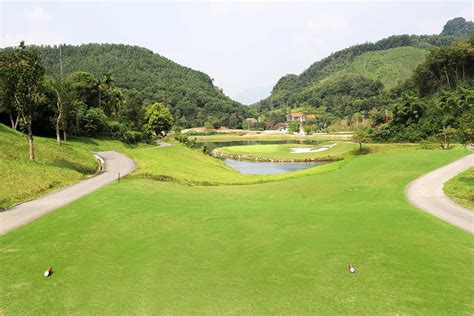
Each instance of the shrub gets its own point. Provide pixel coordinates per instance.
(94, 122)
(116, 129)
(294, 127)
(132, 137)
(184, 139)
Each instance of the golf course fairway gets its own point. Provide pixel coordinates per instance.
(145, 247)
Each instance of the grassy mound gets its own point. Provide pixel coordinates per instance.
(150, 247)
(461, 189)
(283, 152)
(186, 166)
(54, 166)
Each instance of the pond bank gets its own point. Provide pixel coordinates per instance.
(222, 155)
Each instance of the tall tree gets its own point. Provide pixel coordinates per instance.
(62, 100)
(7, 87)
(26, 70)
(158, 118)
(360, 136)
(132, 111)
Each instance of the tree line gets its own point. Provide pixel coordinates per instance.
(437, 102)
(434, 103)
(81, 105)
(191, 95)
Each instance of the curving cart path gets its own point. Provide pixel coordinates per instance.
(112, 163)
(427, 194)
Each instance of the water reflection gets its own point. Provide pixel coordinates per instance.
(252, 167)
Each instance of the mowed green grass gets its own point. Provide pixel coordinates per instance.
(54, 166)
(461, 189)
(146, 247)
(283, 151)
(191, 167)
(57, 166)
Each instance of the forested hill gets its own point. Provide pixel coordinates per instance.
(359, 72)
(191, 94)
(458, 27)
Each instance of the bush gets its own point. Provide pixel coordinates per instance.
(184, 139)
(93, 122)
(133, 137)
(294, 127)
(116, 129)
(429, 143)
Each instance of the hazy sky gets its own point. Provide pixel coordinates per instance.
(245, 46)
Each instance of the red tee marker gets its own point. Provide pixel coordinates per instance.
(351, 268)
(48, 272)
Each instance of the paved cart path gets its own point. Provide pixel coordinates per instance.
(427, 194)
(21, 214)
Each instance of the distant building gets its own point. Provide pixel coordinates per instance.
(299, 117)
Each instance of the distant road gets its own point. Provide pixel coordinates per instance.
(427, 194)
(21, 214)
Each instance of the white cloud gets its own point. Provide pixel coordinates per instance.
(219, 9)
(36, 16)
(33, 37)
(37, 29)
(332, 23)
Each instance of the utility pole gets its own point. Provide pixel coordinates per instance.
(61, 62)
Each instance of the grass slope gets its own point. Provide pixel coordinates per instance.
(147, 247)
(54, 166)
(186, 166)
(391, 66)
(461, 189)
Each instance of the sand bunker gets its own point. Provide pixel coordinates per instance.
(303, 150)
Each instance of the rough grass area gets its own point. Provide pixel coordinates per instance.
(54, 167)
(461, 189)
(391, 66)
(283, 151)
(148, 247)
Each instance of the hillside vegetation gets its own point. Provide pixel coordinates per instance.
(458, 27)
(362, 81)
(23, 179)
(392, 66)
(191, 94)
(402, 88)
(289, 89)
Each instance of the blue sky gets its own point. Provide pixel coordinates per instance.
(245, 46)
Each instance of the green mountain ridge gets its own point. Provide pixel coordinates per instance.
(191, 94)
(389, 61)
(458, 27)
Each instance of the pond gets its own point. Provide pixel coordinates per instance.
(253, 167)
